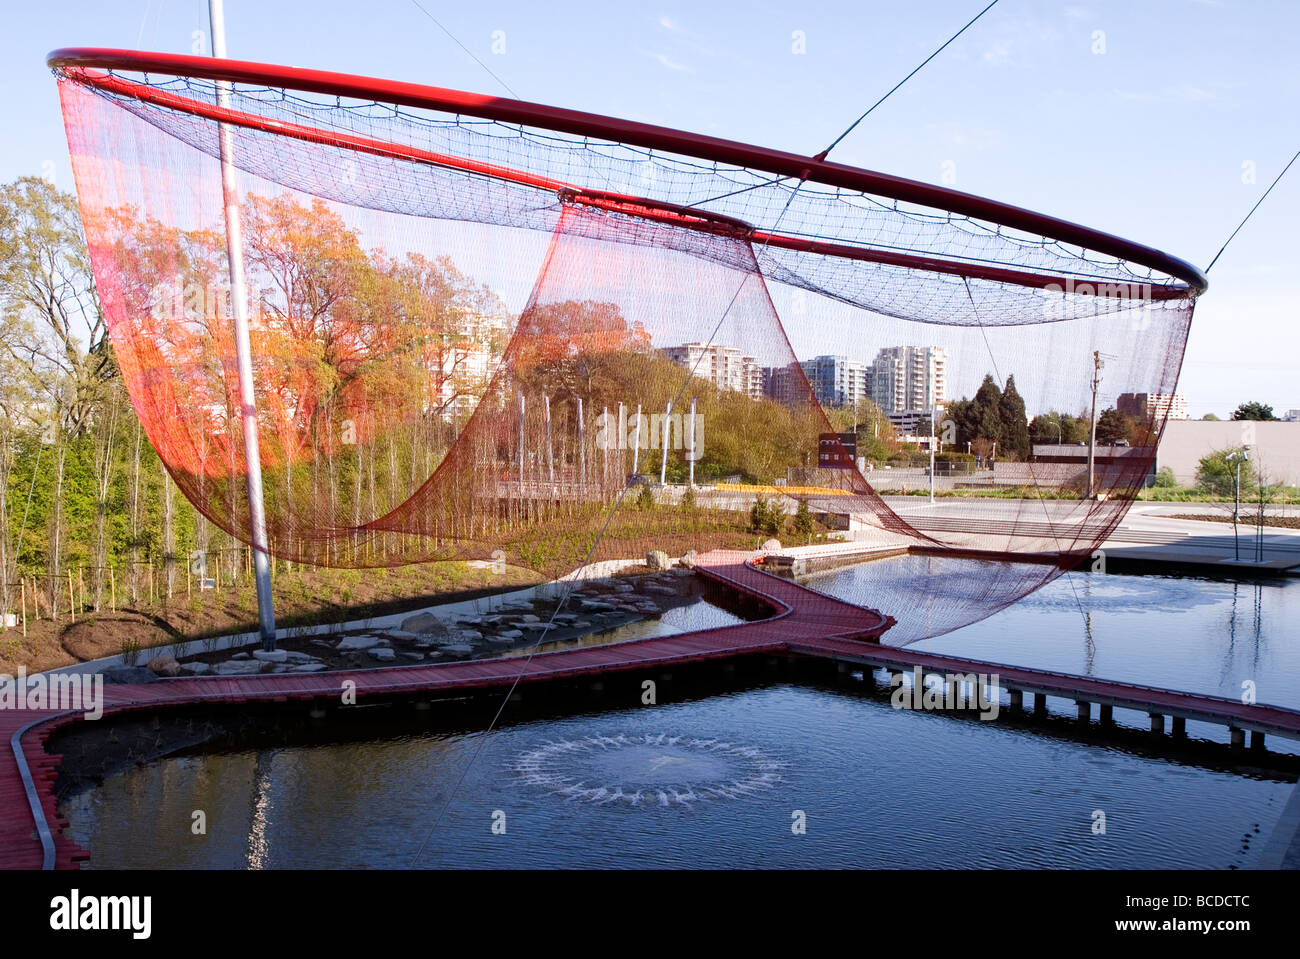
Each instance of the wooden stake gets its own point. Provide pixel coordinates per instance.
(112, 588)
(24, 605)
(72, 600)
(81, 587)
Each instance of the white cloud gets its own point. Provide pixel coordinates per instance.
(1181, 93)
(671, 64)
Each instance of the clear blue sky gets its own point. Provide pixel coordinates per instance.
(1147, 139)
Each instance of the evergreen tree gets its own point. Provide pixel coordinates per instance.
(803, 521)
(988, 400)
(1015, 429)
(1113, 426)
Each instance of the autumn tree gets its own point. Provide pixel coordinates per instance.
(55, 326)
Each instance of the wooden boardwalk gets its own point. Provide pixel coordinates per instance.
(805, 623)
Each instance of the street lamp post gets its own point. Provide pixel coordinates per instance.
(1237, 456)
(932, 405)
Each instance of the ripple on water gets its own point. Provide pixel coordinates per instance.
(652, 769)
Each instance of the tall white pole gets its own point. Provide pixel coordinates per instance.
(582, 447)
(636, 445)
(692, 456)
(243, 350)
(663, 460)
(523, 438)
(550, 450)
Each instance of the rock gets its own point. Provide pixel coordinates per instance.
(458, 649)
(294, 656)
(689, 559)
(771, 545)
(501, 640)
(196, 669)
(511, 634)
(382, 653)
(241, 656)
(163, 666)
(240, 667)
(348, 643)
(529, 618)
(413, 656)
(424, 623)
(271, 656)
(468, 635)
(128, 675)
(307, 668)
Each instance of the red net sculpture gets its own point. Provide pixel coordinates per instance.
(487, 329)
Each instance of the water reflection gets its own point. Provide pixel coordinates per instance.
(879, 787)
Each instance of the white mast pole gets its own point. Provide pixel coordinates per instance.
(663, 460)
(243, 350)
(636, 448)
(691, 482)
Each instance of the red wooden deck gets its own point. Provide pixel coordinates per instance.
(805, 623)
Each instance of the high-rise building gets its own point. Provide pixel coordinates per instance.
(785, 384)
(837, 380)
(1152, 406)
(909, 379)
(464, 363)
(724, 366)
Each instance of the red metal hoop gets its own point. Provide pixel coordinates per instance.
(88, 64)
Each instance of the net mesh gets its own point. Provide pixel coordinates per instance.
(469, 344)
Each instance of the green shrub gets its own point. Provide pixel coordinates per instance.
(645, 497)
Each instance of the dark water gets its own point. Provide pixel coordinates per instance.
(719, 782)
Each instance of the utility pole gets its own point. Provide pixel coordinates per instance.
(1092, 424)
(243, 349)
